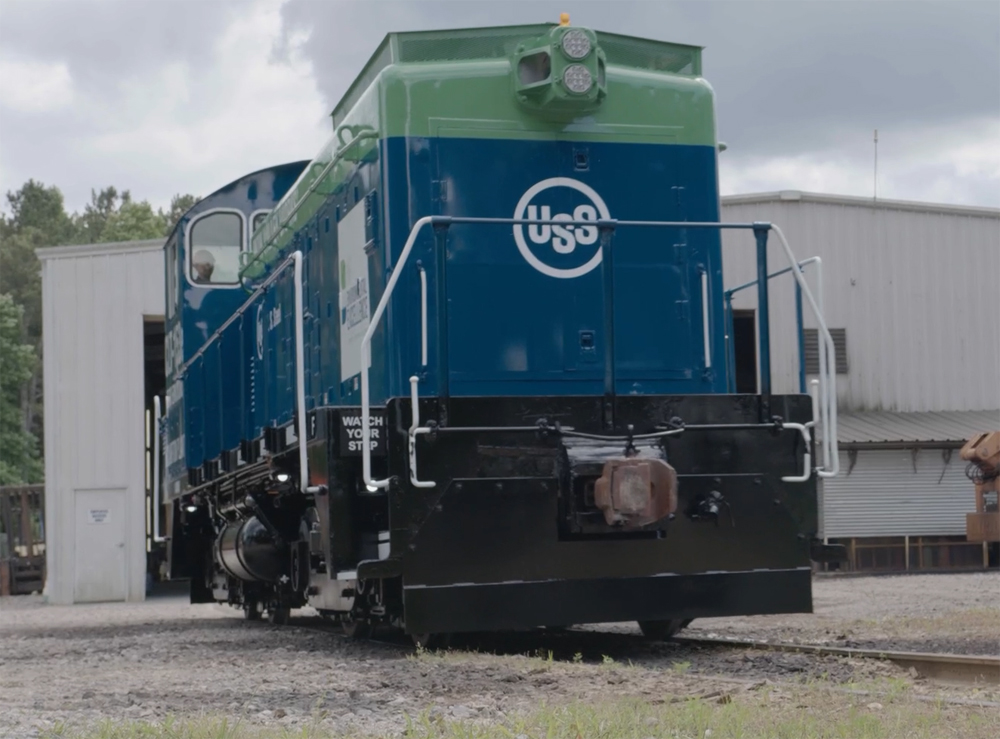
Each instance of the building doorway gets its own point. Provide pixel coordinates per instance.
(745, 350)
(154, 360)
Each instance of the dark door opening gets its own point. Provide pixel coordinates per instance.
(153, 357)
(745, 350)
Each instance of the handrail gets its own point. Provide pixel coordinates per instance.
(603, 225)
(824, 371)
(295, 259)
(276, 212)
(830, 401)
(423, 314)
(156, 492)
(705, 324)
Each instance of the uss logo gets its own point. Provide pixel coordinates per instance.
(556, 250)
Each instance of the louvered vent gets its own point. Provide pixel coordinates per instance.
(811, 345)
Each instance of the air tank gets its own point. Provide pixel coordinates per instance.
(248, 551)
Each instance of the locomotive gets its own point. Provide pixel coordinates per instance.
(468, 369)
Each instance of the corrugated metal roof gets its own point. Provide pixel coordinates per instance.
(880, 203)
(884, 427)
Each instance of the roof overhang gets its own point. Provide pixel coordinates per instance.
(91, 250)
(885, 430)
(799, 196)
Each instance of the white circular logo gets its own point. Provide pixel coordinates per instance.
(260, 332)
(557, 241)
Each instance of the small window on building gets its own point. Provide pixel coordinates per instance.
(811, 346)
(215, 244)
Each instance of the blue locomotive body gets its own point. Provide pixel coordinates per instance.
(546, 293)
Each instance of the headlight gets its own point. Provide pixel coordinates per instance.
(577, 78)
(576, 44)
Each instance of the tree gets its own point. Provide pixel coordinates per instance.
(38, 219)
(42, 208)
(19, 459)
(179, 205)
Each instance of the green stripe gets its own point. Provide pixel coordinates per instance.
(641, 107)
(475, 99)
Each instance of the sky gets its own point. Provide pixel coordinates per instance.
(183, 96)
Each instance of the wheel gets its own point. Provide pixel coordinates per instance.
(251, 611)
(278, 616)
(356, 629)
(660, 630)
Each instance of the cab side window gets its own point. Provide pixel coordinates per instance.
(215, 244)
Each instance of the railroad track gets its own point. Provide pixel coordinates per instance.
(954, 668)
(958, 669)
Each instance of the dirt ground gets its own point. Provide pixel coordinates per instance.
(921, 613)
(164, 657)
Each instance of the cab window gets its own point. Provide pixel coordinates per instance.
(215, 244)
(258, 218)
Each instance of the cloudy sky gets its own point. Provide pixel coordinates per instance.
(167, 96)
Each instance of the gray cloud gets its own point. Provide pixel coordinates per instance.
(106, 41)
(790, 76)
(800, 86)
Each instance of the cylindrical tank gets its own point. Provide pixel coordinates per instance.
(247, 551)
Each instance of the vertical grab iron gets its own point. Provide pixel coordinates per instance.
(764, 320)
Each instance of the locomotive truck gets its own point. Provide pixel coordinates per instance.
(466, 369)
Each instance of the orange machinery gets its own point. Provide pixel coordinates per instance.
(982, 451)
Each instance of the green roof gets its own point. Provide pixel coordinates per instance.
(467, 44)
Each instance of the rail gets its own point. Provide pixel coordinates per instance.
(831, 455)
(156, 492)
(958, 668)
(279, 218)
(606, 228)
(294, 259)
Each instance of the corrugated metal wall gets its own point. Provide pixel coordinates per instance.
(93, 301)
(916, 291)
(884, 496)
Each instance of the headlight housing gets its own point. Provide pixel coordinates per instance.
(575, 44)
(577, 79)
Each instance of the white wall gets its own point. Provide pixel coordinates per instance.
(914, 285)
(94, 299)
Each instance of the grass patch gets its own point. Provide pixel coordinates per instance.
(769, 713)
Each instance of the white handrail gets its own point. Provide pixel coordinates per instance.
(416, 429)
(300, 374)
(704, 318)
(156, 493)
(295, 258)
(806, 456)
(423, 315)
(829, 397)
(366, 454)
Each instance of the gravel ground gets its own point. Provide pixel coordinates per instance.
(80, 664)
(957, 613)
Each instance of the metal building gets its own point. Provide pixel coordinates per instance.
(910, 296)
(911, 289)
(102, 305)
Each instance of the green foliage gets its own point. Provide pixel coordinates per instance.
(19, 461)
(35, 206)
(113, 216)
(179, 205)
(37, 219)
